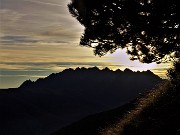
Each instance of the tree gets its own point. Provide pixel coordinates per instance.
(148, 29)
(174, 74)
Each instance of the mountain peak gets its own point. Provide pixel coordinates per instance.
(26, 83)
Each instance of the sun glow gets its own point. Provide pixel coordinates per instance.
(120, 57)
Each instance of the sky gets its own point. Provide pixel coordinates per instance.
(40, 37)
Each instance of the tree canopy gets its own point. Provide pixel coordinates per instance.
(149, 29)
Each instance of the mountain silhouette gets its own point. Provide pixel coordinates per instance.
(48, 104)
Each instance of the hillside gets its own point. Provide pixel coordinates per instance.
(46, 105)
(93, 124)
(155, 113)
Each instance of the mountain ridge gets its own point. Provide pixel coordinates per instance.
(48, 104)
(73, 72)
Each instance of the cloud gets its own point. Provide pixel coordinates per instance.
(40, 30)
(50, 26)
(10, 15)
(28, 40)
(69, 35)
(10, 39)
(25, 17)
(44, 3)
(10, 20)
(41, 66)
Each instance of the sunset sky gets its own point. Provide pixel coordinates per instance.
(40, 37)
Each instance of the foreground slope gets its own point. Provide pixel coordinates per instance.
(93, 124)
(44, 106)
(157, 113)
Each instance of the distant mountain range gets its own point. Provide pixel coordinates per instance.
(51, 103)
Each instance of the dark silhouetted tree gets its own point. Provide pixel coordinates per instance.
(174, 73)
(149, 29)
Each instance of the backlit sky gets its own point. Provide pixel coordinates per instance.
(39, 37)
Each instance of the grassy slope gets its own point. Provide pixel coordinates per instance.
(157, 113)
(93, 124)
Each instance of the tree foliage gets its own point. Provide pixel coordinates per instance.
(149, 29)
(174, 73)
